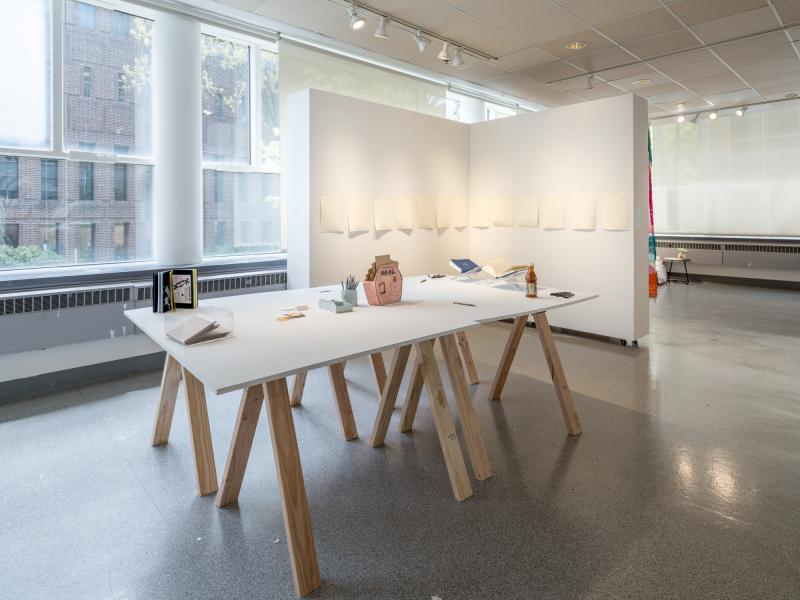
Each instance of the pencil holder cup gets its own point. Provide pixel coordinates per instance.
(350, 296)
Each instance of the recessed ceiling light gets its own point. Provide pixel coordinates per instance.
(576, 45)
(640, 81)
(680, 105)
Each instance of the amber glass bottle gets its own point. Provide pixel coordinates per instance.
(532, 289)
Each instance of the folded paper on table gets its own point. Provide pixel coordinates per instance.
(616, 213)
(443, 213)
(552, 213)
(331, 212)
(460, 213)
(482, 213)
(583, 211)
(426, 213)
(503, 212)
(404, 213)
(384, 213)
(358, 213)
(528, 213)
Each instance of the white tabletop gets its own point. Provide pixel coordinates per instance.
(263, 348)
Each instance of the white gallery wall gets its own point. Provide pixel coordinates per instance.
(347, 147)
(574, 153)
(579, 153)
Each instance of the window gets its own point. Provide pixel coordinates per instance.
(85, 243)
(121, 87)
(219, 234)
(270, 133)
(11, 235)
(49, 179)
(87, 82)
(120, 183)
(121, 149)
(219, 186)
(87, 146)
(112, 69)
(87, 15)
(9, 178)
(225, 81)
(25, 45)
(50, 236)
(86, 181)
(121, 241)
(497, 111)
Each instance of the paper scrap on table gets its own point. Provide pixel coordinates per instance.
(481, 213)
(331, 212)
(528, 212)
(426, 213)
(460, 212)
(404, 213)
(383, 213)
(583, 211)
(503, 212)
(615, 212)
(358, 214)
(443, 213)
(552, 213)
(291, 315)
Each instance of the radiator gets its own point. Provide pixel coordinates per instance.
(734, 252)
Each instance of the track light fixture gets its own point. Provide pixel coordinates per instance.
(693, 118)
(444, 53)
(422, 41)
(740, 111)
(458, 60)
(356, 20)
(713, 115)
(589, 82)
(681, 118)
(383, 28)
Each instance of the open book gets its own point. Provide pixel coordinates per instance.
(498, 269)
(197, 330)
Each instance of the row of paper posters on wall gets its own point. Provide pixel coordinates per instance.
(342, 212)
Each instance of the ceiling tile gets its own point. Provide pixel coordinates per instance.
(457, 26)
(637, 71)
(507, 83)
(595, 13)
(551, 71)
(415, 11)
(525, 59)
(249, 5)
(603, 59)
(626, 83)
(663, 44)
(400, 45)
(789, 11)
(539, 21)
(481, 72)
(773, 73)
(599, 90)
(794, 33)
(693, 12)
(701, 69)
(302, 13)
(725, 82)
(777, 92)
(752, 44)
(594, 42)
(727, 28)
(642, 25)
(496, 42)
(732, 98)
(656, 90)
(763, 56)
(689, 102)
(682, 59)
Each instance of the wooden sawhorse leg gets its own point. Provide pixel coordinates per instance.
(339, 385)
(466, 353)
(413, 395)
(379, 368)
(203, 449)
(298, 385)
(389, 395)
(508, 357)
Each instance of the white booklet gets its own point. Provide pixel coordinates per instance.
(197, 330)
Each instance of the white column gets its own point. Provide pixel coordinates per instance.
(177, 182)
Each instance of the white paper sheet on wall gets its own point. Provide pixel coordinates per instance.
(552, 212)
(358, 213)
(426, 213)
(528, 212)
(443, 213)
(503, 212)
(383, 213)
(331, 213)
(615, 212)
(404, 212)
(482, 213)
(583, 211)
(460, 212)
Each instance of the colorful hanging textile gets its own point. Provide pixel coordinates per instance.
(651, 240)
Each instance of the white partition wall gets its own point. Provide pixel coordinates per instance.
(342, 146)
(566, 159)
(592, 148)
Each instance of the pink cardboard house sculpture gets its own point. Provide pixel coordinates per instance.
(384, 282)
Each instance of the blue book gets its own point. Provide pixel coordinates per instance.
(464, 265)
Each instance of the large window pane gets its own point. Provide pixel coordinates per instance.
(226, 100)
(270, 131)
(107, 80)
(69, 212)
(25, 73)
(241, 213)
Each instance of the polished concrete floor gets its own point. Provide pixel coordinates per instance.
(684, 484)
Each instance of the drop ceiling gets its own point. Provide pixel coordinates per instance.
(682, 54)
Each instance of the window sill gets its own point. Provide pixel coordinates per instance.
(60, 277)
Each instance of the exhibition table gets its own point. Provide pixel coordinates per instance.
(263, 351)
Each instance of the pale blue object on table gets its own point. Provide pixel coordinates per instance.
(335, 306)
(350, 297)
